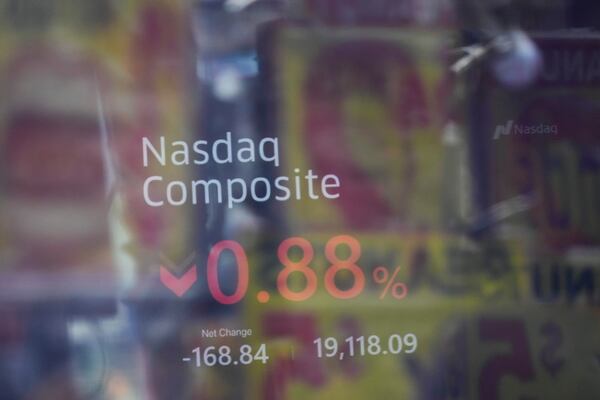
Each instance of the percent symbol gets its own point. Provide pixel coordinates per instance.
(381, 276)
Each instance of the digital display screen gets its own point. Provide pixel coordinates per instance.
(299, 199)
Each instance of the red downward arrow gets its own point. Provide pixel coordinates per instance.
(180, 285)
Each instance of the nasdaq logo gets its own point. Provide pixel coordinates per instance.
(510, 128)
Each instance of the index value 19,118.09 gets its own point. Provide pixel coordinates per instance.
(365, 345)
